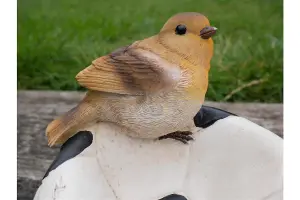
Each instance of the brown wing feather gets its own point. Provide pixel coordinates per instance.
(129, 71)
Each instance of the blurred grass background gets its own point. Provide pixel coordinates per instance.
(58, 38)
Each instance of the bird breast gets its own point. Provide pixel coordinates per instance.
(154, 116)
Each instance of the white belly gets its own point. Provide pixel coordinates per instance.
(233, 159)
(153, 119)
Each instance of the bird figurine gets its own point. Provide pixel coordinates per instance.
(151, 88)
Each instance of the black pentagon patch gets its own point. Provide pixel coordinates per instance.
(71, 148)
(207, 116)
(174, 197)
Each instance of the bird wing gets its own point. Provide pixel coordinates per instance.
(130, 70)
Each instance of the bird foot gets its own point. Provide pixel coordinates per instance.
(182, 136)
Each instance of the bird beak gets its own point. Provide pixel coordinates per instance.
(207, 32)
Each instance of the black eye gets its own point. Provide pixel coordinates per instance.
(180, 29)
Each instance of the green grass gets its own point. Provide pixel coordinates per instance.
(58, 38)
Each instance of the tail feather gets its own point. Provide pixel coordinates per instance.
(64, 127)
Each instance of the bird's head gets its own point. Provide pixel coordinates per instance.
(189, 35)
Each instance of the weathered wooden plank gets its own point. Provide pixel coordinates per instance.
(37, 108)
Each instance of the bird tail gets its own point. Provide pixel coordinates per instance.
(64, 127)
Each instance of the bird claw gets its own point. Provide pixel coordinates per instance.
(182, 136)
